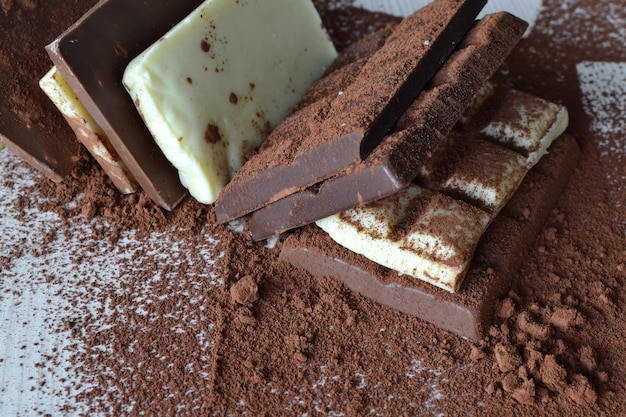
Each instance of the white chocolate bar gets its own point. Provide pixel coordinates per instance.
(480, 172)
(87, 130)
(431, 234)
(527, 123)
(437, 245)
(212, 88)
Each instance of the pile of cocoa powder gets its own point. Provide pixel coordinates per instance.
(180, 334)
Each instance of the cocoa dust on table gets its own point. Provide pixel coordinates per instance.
(284, 343)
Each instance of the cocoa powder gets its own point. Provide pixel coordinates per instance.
(170, 314)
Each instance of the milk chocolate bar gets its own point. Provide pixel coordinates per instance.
(466, 313)
(28, 120)
(92, 55)
(344, 129)
(397, 159)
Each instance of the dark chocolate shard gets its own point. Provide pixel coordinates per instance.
(92, 55)
(468, 312)
(347, 127)
(397, 159)
(30, 125)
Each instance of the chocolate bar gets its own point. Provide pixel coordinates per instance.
(418, 232)
(92, 55)
(342, 130)
(28, 120)
(396, 161)
(466, 313)
(87, 130)
(212, 88)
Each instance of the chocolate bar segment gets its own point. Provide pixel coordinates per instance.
(462, 163)
(418, 232)
(92, 55)
(346, 128)
(425, 124)
(207, 107)
(28, 121)
(87, 130)
(466, 313)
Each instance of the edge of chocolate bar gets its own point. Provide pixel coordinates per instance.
(284, 165)
(92, 55)
(30, 125)
(466, 313)
(86, 130)
(425, 124)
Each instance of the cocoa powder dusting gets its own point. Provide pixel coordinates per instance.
(212, 134)
(114, 306)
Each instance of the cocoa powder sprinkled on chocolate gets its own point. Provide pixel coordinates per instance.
(131, 310)
(212, 134)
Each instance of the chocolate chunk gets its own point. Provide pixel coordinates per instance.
(30, 125)
(92, 55)
(87, 130)
(466, 313)
(396, 161)
(342, 130)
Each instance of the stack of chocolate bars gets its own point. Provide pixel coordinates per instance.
(405, 155)
(408, 174)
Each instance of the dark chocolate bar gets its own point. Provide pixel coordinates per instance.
(92, 55)
(30, 125)
(342, 130)
(396, 161)
(466, 313)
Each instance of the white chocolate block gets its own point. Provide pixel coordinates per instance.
(528, 123)
(416, 231)
(212, 88)
(475, 170)
(87, 130)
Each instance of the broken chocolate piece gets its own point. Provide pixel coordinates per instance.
(397, 160)
(466, 313)
(28, 120)
(87, 130)
(92, 55)
(418, 232)
(347, 127)
(211, 89)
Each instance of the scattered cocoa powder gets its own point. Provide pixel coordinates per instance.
(199, 320)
